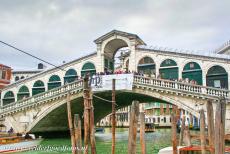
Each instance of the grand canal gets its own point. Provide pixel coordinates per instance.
(154, 141)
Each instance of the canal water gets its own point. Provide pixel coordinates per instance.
(154, 141)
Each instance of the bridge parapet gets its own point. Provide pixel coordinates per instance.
(47, 96)
(179, 87)
(139, 81)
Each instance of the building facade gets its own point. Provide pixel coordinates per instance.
(5, 75)
(155, 112)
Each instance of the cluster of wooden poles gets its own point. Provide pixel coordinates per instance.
(216, 129)
(89, 136)
(216, 141)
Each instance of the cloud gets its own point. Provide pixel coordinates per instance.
(58, 30)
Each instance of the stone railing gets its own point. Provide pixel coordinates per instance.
(181, 87)
(159, 84)
(45, 96)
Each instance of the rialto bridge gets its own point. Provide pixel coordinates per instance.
(38, 103)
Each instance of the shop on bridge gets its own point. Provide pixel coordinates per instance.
(70, 76)
(38, 87)
(23, 92)
(146, 66)
(217, 77)
(169, 70)
(88, 68)
(192, 71)
(8, 98)
(54, 82)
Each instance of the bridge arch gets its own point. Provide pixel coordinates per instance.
(38, 87)
(54, 82)
(169, 69)
(70, 76)
(88, 68)
(193, 71)
(217, 77)
(23, 92)
(8, 98)
(146, 65)
(101, 108)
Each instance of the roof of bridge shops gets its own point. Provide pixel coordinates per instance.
(141, 47)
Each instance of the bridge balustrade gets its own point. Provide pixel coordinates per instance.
(160, 84)
(185, 87)
(56, 92)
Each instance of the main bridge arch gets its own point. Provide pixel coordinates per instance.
(54, 117)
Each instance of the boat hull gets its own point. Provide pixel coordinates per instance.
(20, 146)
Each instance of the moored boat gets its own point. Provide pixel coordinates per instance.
(149, 127)
(14, 144)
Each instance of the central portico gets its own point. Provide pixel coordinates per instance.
(110, 43)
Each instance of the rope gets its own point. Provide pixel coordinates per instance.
(105, 99)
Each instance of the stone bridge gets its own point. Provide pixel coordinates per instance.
(37, 103)
(47, 111)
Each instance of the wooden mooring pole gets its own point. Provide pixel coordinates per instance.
(113, 115)
(142, 131)
(86, 114)
(133, 127)
(182, 129)
(174, 131)
(92, 130)
(211, 132)
(220, 127)
(77, 131)
(202, 131)
(70, 121)
(174, 118)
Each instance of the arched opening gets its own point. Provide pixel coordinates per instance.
(169, 70)
(54, 82)
(38, 87)
(146, 66)
(192, 71)
(217, 77)
(8, 98)
(22, 77)
(16, 78)
(70, 76)
(113, 59)
(88, 69)
(23, 92)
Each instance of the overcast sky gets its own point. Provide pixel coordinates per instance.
(63, 30)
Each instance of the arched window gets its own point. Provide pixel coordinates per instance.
(16, 78)
(192, 71)
(88, 68)
(54, 82)
(217, 77)
(8, 98)
(23, 92)
(169, 70)
(38, 87)
(146, 66)
(70, 76)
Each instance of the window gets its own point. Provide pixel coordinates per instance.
(3, 74)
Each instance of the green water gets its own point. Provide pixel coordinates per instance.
(154, 142)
